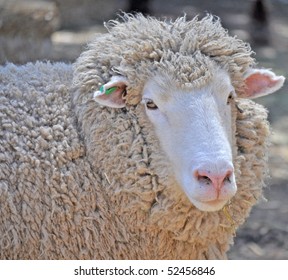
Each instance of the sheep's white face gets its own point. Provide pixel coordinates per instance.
(194, 128)
(195, 131)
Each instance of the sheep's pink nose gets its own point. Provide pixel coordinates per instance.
(217, 179)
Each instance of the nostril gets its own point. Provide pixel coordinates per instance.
(227, 178)
(203, 177)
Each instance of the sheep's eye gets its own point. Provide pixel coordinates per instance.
(151, 105)
(230, 98)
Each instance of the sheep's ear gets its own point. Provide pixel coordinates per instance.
(113, 93)
(260, 82)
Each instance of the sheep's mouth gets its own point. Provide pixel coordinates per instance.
(215, 202)
(211, 205)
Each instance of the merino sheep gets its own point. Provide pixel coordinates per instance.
(79, 180)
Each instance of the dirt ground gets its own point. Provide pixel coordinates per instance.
(265, 234)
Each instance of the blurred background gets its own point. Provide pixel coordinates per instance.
(58, 30)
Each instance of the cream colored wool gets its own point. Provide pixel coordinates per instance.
(80, 181)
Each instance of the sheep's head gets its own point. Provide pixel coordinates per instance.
(194, 127)
(187, 87)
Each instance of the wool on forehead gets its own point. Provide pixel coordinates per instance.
(139, 48)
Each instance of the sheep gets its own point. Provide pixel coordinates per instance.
(147, 147)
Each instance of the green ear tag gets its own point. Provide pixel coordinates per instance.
(101, 89)
(110, 90)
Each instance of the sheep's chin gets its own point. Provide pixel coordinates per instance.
(209, 206)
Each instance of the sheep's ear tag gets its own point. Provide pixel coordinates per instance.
(112, 94)
(260, 82)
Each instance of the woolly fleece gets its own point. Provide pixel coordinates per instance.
(79, 181)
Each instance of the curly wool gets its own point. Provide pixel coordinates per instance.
(140, 47)
(79, 181)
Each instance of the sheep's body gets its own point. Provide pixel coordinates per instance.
(79, 181)
(60, 200)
